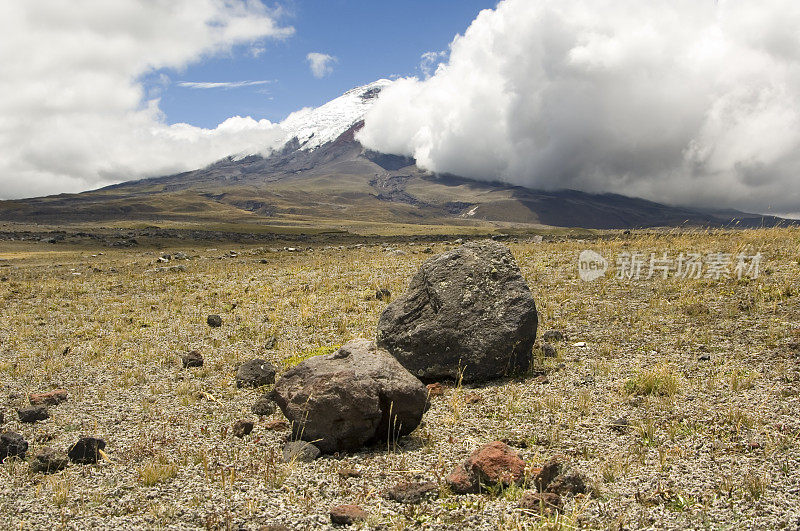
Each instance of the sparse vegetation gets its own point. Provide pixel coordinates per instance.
(704, 372)
(661, 381)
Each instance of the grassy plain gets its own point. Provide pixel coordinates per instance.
(704, 373)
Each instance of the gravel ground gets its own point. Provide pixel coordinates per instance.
(713, 443)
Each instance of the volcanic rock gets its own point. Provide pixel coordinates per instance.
(255, 373)
(467, 312)
(355, 396)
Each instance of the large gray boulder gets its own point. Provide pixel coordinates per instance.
(468, 309)
(355, 396)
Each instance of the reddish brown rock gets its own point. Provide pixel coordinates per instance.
(349, 473)
(276, 425)
(435, 389)
(544, 503)
(347, 514)
(494, 464)
(50, 398)
(473, 398)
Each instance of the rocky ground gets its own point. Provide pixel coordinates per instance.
(676, 399)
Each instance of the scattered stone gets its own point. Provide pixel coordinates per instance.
(180, 256)
(427, 250)
(214, 321)
(271, 342)
(559, 477)
(170, 269)
(473, 398)
(264, 406)
(255, 373)
(50, 398)
(12, 445)
(467, 312)
(49, 460)
(569, 482)
(553, 335)
(347, 514)
(274, 527)
(544, 503)
(242, 428)
(548, 350)
(86, 451)
(435, 389)
(548, 472)
(192, 359)
(302, 451)
(621, 424)
(276, 425)
(410, 492)
(579, 344)
(33, 413)
(349, 473)
(704, 357)
(494, 464)
(383, 294)
(357, 395)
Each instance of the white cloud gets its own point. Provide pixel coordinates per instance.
(220, 84)
(682, 101)
(73, 110)
(321, 64)
(429, 61)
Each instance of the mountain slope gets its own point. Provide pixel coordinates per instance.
(323, 176)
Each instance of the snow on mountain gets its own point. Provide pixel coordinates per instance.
(314, 127)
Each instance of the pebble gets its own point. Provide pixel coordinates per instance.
(32, 414)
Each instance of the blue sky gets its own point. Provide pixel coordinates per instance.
(369, 39)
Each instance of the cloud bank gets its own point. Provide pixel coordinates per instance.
(220, 84)
(321, 64)
(73, 111)
(679, 101)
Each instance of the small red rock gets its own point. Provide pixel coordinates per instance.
(435, 389)
(473, 398)
(493, 464)
(347, 514)
(276, 425)
(50, 398)
(349, 473)
(461, 481)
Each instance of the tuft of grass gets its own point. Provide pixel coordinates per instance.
(296, 359)
(754, 485)
(156, 472)
(660, 381)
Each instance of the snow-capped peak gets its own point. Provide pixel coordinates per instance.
(314, 127)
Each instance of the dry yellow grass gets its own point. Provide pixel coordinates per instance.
(711, 443)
